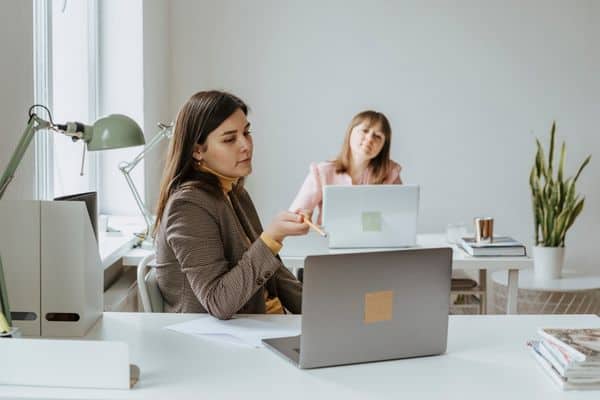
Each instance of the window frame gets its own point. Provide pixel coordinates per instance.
(44, 89)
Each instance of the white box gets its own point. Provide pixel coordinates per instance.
(65, 363)
(52, 266)
(20, 252)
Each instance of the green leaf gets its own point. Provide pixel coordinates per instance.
(570, 195)
(554, 196)
(551, 151)
(576, 211)
(550, 222)
(555, 201)
(586, 162)
(561, 163)
(546, 226)
(541, 163)
(561, 225)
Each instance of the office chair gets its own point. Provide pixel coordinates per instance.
(152, 300)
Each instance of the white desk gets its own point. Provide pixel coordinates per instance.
(486, 359)
(113, 246)
(570, 281)
(296, 249)
(574, 293)
(133, 257)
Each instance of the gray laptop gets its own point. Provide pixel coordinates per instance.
(371, 215)
(373, 306)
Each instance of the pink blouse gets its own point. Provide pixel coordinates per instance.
(320, 174)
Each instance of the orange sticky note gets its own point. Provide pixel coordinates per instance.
(379, 306)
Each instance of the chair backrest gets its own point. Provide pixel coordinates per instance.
(152, 300)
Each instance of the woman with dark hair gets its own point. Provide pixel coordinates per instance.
(212, 253)
(364, 159)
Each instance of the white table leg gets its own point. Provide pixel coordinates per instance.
(512, 291)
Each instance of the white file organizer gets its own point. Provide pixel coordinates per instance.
(54, 275)
(66, 363)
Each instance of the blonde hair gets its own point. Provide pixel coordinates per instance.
(381, 164)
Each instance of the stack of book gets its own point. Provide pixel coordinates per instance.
(500, 246)
(570, 356)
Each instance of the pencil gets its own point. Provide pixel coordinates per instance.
(316, 228)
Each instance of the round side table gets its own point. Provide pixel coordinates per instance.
(574, 293)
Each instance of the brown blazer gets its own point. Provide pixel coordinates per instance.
(206, 264)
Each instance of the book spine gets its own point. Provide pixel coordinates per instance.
(573, 354)
(572, 370)
(546, 366)
(498, 251)
(578, 383)
(466, 248)
(555, 358)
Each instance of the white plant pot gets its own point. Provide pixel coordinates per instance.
(548, 262)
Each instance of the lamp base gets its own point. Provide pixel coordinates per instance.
(147, 245)
(145, 242)
(14, 332)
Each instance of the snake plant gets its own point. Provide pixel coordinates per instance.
(555, 202)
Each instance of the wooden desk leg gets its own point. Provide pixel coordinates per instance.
(512, 291)
(483, 289)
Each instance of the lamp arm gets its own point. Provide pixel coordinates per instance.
(4, 306)
(131, 135)
(35, 124)
(164, 133)
(140, 204)
(126, 168)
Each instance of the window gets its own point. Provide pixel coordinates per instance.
(73, 59)
(41, 72)
(68, 33)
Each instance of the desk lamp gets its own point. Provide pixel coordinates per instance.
(166, 131)
(110, 132)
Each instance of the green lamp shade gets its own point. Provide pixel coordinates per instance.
(113, 132)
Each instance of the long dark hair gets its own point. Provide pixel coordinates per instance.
(379, 165)
(199, 116)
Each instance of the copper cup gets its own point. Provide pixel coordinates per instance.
(484, 229)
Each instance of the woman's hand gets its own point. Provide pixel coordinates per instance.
(307, 214)
(286, 224)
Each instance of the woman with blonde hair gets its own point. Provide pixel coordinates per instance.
(364, 159)
(212, 253)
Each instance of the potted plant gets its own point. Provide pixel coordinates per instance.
(556, 205)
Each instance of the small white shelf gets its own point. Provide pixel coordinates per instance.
(113, 246)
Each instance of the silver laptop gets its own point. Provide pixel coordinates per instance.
(371, 215)
(373, 306)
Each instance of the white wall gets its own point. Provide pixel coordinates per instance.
(121, 91)
(466, 84)
(16, 91)
(134, 60)
(74, 97)
(156, 91)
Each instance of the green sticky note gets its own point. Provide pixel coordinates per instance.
(371, 221)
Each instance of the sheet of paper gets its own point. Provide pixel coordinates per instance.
(238, 330)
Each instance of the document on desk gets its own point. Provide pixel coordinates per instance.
(238, 330)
